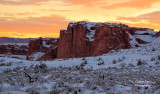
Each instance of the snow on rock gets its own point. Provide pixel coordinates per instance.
(36, 56)
(47, 46)
(133, 41)
(148, 31)
(90, 39)
(91, 33)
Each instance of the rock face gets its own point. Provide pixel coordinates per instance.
(158, 33)
(82, 39)
(14, 49)
(42, 49)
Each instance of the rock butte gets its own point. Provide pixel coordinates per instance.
(83, 39)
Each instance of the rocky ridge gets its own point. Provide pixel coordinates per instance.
(83, 39)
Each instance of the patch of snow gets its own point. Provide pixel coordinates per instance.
(64, 30)
(91, 33)
(19, 44)
(133, 41)
(37, 55)
(149, 31)
(146, 38)
(45, 45)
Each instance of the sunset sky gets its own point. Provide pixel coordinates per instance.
(45, 18)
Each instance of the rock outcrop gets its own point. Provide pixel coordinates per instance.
(42, 49)
(158, 33)
(82, 39)
(14, 49)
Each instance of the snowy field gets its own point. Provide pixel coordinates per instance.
(20, 44)
(127, 71)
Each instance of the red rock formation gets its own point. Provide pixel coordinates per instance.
(82, 39)
(140, 41)
(158, 33)
(46, 46)
(96, 39)
(13, 49)
(3, 49)
(50, 55)
(34, 46)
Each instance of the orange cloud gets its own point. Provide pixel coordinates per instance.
(83, 2)
(153, 17)
(132, 4)
(22, 2)
(151, 20)
(33, 27)
(31, 18)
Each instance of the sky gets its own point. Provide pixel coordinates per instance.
(45, 18)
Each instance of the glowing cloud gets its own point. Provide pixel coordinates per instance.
(45, 18)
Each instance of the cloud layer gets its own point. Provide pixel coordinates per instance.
(35, 18)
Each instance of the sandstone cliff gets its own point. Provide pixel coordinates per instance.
(82, 39)
(42, 49)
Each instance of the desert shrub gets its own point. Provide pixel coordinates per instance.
(2, 64)
(139, 62)
(130, 65)
(114, 61)
(41, 68)
(2, 60)
(88, 84)
(99, 59)
(83, 58)
(9, 64)
(84, 63)
(157, 63)
(15, 57)
(153, 49)
(75, 92)
(20, 62)
(101, 63)
(119, 59)
(55, 91)
(153, 58)
(32, 91)
(123, 65)
(7, 71)
(123, 57)
(158, 57)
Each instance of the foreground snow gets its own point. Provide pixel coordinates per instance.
(126, 71)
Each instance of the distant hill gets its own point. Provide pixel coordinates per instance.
(14, 40)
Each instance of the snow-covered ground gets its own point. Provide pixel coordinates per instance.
(20, 44)
(127, 71)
